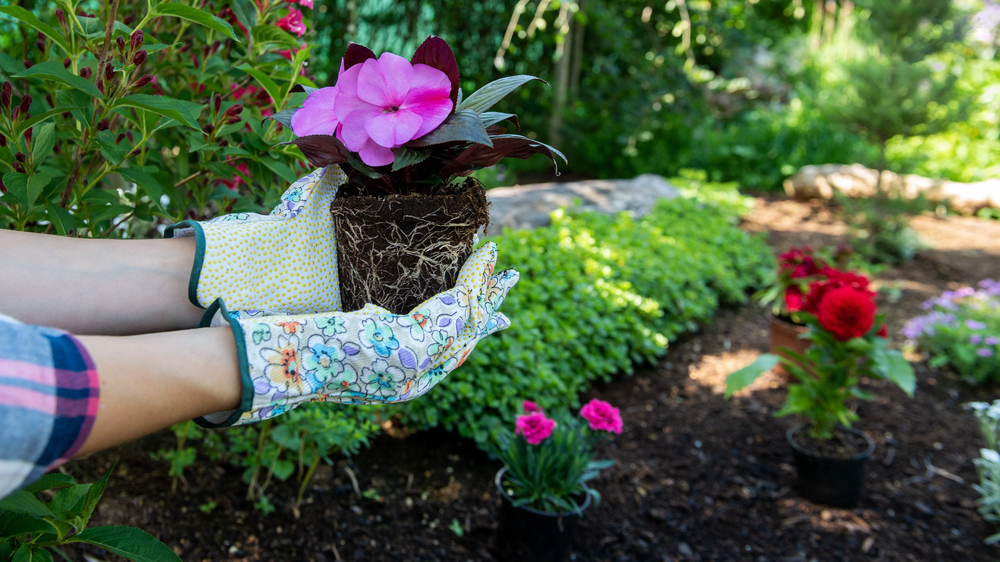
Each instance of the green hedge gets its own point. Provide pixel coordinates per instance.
(597, 295)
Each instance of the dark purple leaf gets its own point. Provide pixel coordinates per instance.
(480, 156)
(436, 53)
(357, 54)
(493, 117)
(465, 126)
(322, 150)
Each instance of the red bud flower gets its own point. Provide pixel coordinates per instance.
(129, 135)
(40, 45)
(223, 143)
(209, 129)
(120, 41)
(13, 115)
(128, 19)
(3, 188)
(18, 167)
(86, 72)
(109, 72)
(3, 141)
(66, 62)
(61, 16)
(27, 135)
(234, 110)
(27, 63)
(5, 95)
(100, 84)
(142, 82)
(25, 104)
(21, 157)
(217, 102)
(120, 138)
(103, 125)
(139, 58)
(40, 36)
(233, 120)
(137, 39)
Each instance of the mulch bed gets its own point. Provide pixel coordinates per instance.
(697, 478)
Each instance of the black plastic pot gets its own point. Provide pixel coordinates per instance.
(827, 480)
(529, 535)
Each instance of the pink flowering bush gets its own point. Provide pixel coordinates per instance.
(565, 445)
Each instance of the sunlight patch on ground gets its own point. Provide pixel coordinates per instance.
(712, 371)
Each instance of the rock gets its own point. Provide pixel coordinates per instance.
(855, 180)
(529, 206)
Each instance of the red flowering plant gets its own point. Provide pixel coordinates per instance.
(549, 460)
(798, 270)
(141, 114)
(849, 341)
(402, 127)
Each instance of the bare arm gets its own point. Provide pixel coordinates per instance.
(90, 286)
(150, 382)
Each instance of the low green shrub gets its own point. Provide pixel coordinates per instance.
(597, 295)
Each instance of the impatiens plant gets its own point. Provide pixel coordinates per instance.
(549, 460)
(961, 329)
(402, 127)
(849, 341)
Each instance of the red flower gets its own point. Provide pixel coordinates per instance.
(292, 23)
(847, 312)
(835, 279)
(801, 261)
(535, 427)
(794, 298)
(883, 332)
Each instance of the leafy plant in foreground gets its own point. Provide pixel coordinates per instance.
(30, 523)
(988, 465)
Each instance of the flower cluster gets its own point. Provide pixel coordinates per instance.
(961, 328)
(804, 269)
(402, 126)
(563, 444)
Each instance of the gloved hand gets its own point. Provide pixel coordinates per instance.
(282, 263)
(362, 357)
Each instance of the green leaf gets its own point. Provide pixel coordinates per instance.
(133, 544)
(30, 19)
(264, 80)
(492, 118)
(283, 171)
(897, 369)
(10, 65)
(53, 70)
(170, 107)
(69, 499)
(25, 502)
(485, 97)
(147, 182)
(92, 27)
(113, 153)
(272, 34)
(17, 184)
(799, 400)
(404, 157)
(23, 125)
(32, 187)
(28, 553)
(15, 525)
(197, 16)
(245, 12)
(284, 117)
(61, 219)
(50, 481)
(93, 496)
(745, 376)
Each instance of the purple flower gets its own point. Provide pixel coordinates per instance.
(387, 102)
(975, 324)
(984, 352)
(975, 339)
(965, 292)
(992, 340)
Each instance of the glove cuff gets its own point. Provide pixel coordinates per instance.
(226, 419)
(199, 254)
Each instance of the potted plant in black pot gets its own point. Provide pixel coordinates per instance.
(848, 341)
(547, 463)
(407, 217)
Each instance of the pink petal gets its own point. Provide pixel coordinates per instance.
(314, 121)
(432, 112)
(353, 132)
(374, 155)
(323, 96)
(347, 80)
(393, 128)
(429, 78)
(385, 82)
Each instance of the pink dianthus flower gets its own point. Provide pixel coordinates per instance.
(602, 416)
(535, 427)
(530, 407)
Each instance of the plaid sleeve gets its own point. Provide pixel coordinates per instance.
(48, 401)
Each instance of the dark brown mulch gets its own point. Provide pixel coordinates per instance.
(698, 477)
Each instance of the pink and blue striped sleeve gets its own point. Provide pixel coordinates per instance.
(49, 394)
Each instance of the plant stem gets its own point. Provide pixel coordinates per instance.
(260, 452)
(305, 481)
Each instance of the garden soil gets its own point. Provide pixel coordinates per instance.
(697, 478)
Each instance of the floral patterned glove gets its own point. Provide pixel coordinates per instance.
(362, 357)
(282, 263)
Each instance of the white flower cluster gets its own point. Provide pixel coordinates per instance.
(988, 465)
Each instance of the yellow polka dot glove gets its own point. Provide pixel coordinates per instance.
(362, 357)
(282, 263)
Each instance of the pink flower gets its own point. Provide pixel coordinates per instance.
(239, 92)
(535, 427)
(237, 179)
(602, 416)
(530, 407)
(303, 3)
(387, 102)
(292, 23)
